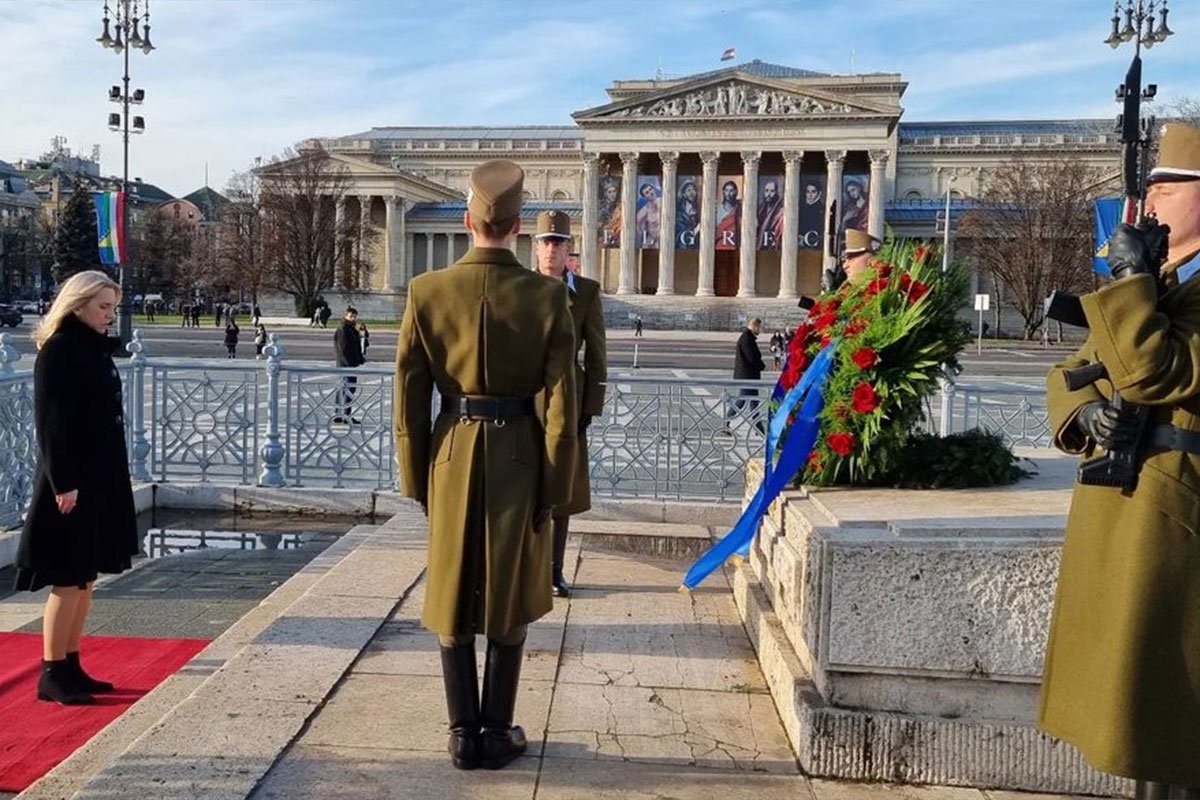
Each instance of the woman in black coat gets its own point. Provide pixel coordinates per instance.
(81, 519)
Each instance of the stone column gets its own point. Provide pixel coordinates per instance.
(396, 271)
(791, 223)
(429, 252)
(833, 193)
(360, 248)
(708, 225)
(628, 282)
(339, 244)
(590, 250)
(875, 202)
(748, 248)
(666, 239)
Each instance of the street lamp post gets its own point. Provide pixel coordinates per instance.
(128, 37)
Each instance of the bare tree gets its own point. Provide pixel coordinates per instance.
(241, 260)
(304, 241)
(1033, 231)
(157, 248)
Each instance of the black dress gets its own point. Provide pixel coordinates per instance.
(81, 445)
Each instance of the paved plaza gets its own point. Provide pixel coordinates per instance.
(329, 687)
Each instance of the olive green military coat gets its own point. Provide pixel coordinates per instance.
(486, 326)
(590, 377)
(1122, 673)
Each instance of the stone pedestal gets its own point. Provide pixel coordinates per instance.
(902, 633)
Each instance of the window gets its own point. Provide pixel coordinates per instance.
(559, 194)
(912, 194)
(528, 195)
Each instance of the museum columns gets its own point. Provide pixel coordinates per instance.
(791, 223)
(396, 265)
(834, 160)
(628, 281)
(708, 225)
(590, 252)
(666, 236)
(339, 223)
(879, 159)
(429, 252)
(748, 247)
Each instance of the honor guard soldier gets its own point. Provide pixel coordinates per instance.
(553, 239)
(861, 247)
(1122, 673)
(491, 336)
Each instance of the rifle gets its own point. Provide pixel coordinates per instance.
(833, 278)
(1120, 466)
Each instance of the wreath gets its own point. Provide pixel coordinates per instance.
(898, 336)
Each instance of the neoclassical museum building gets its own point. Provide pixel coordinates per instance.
(718, 185)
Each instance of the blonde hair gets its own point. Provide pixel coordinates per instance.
(75, 293)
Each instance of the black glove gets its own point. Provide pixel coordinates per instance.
(540, 517)
(1106, 425)
(585, 422)
(832, 279)
(1137, 250)
(425, 508)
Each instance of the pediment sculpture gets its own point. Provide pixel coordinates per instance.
(736, 100)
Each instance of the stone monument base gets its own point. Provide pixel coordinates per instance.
(902, 633)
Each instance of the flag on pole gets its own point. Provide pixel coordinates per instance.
(110, 226)
(730, 54)
(1107, 212)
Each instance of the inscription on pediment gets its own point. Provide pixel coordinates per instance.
(736, 100)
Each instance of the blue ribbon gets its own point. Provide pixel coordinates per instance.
(809, 394)
(1189, 269)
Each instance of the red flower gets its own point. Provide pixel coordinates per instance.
(865, 357)
(841, 443)
(919, 255)
(816, 310)
(905, 282)
(795, 368)
(855, 326)
(917, 291)
(883, 269)
(876, 286)
(824, 321)
(864, 399)
(833, 304)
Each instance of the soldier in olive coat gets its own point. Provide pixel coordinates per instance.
(553, 239)
(491, 336)
(1122, 674)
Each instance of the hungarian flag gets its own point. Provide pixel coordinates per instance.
(729, 55)
(110, 226)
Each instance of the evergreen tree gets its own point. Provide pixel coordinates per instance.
(76, 243)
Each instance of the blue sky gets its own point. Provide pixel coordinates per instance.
(235, 79)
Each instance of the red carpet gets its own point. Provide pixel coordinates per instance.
(35, 736)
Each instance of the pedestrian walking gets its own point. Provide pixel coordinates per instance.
(364, 335)
(186, 316)
(316, 317)
(347, 347)
(149, 306)
(777, 347)
(748, 364)
(326, 312)
(637, 327)
(231, 338)
(257, 314)
(260, 340)
(196, 315)
(490, 335)
(218, 314)
(552, 246)
(81, 519)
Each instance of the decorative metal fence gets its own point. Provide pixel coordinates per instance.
(287, 423)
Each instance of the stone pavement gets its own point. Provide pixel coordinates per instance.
(330, 689)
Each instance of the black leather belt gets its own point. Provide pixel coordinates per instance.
(479, 406)
(1173, 438)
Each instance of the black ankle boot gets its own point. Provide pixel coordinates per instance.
(502, 741)
(558, 583)
(57, 684)
(462, 703)
(83, 680)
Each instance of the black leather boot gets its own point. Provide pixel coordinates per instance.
(57, 684)
(83, 680)
(462, 703)
(502, 741)
(1151, 790)
(559, 584)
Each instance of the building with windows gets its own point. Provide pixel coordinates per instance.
(725, 184)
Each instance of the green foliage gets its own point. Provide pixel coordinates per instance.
(959, 461)
(76, 243)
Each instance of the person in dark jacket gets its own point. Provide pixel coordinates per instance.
(231, 338)
(81, 519)
(348, 348)
(748, 364)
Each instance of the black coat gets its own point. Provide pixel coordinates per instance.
(80, 427)
(348, 346)
(748, 362)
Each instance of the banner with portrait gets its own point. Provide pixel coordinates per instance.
(609, 232)
(769, 228)
(649, 212)
(855, 206)
(729, 212)
(812, 211)
(687, 211)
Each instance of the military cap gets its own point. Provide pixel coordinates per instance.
(553, 225)
(1178, 154)
(496, 191)
(860, 242)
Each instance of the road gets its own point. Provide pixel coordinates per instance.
(702, 354)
